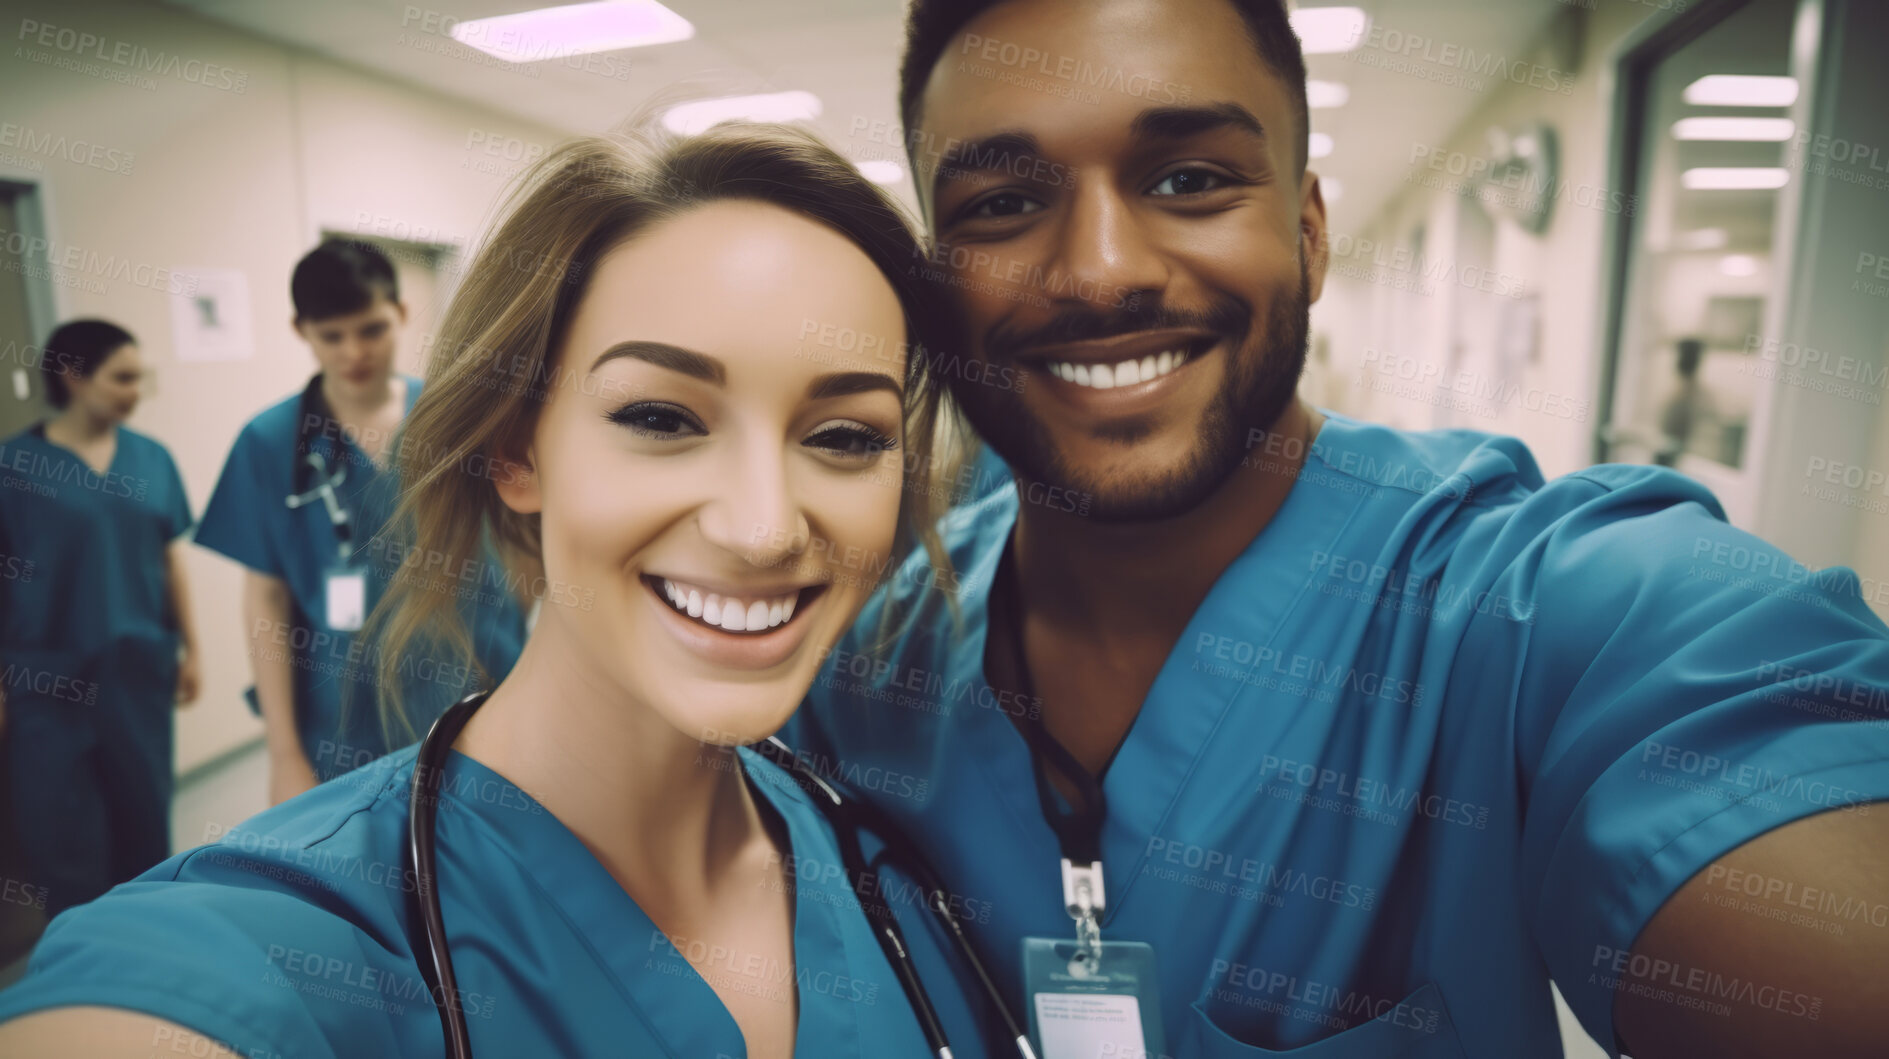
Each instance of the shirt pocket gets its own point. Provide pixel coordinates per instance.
(1405, 1032)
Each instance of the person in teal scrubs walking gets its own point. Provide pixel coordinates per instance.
(96, 642)
(302, 502)
(655, 431)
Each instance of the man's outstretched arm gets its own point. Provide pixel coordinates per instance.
(1778, 948)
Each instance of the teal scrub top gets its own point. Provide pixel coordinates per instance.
(82, 561)
(291, 937)
(1441, 732)
(248, 520)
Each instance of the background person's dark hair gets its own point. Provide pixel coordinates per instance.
(1691, 351)
(339, 277)
(78, 347)
(930, 26)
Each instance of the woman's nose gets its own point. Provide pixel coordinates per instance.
(755, 513)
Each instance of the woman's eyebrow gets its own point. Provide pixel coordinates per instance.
(663, 355)
(843, 383)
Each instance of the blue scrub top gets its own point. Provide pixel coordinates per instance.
(291, 937)
(82, 561)
(248, 520)
(1442, 731)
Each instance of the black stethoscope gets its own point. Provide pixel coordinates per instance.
(847, 818)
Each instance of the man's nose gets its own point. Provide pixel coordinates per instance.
(1104, 250)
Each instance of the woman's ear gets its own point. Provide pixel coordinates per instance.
(516, 479)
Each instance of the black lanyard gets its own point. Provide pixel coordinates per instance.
(1078, 827)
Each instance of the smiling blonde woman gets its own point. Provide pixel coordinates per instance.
(632, 398)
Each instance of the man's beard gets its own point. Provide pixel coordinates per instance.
(1260, 383)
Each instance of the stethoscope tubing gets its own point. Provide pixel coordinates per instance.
(437, 968)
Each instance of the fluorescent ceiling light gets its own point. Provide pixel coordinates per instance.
(1741, 90)
(1738, 265)
(1701, 239)
(1318, 145)
(1766, 129)
(574, 29)
(880, 171)
(688, 119)
(1324, 30)
(1727, 178)
(1321, 94)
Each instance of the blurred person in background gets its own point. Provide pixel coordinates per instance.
(301, 503)
(97, 644)
(1689, 420)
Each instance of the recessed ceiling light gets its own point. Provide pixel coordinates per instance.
(1331, 188)
(1733, 178)
(880, 171)
(573, 29)
(1701, 239)
(1324, 30)
(1741, 90)
(1322, 94)
(1318, 145)
(1765, 129)
(691, 118)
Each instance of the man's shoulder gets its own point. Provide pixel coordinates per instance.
(1478, 474)
(971, 537)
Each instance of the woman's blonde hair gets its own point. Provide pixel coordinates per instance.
(494, 362)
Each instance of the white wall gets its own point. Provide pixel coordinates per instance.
(1561, 266)
(230, 179)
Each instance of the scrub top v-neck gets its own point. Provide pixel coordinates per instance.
(291, 936)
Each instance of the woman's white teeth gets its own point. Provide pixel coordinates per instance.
(729, 612)
(1126, 373)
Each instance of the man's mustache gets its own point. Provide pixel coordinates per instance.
(1225, 317)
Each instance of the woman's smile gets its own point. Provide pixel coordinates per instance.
(731, 610)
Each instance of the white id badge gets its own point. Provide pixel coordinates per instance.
(346, 598)
(1086, 1008)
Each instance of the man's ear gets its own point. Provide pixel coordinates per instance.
(1314, 238)
(516, 479)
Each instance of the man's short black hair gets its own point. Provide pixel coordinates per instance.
(930, 26)
(75, 350)
(339, 277)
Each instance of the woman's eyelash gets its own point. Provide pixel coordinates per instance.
(654, 419)
(853, 439)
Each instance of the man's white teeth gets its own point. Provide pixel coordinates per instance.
(1126, 373)
(729, 612)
